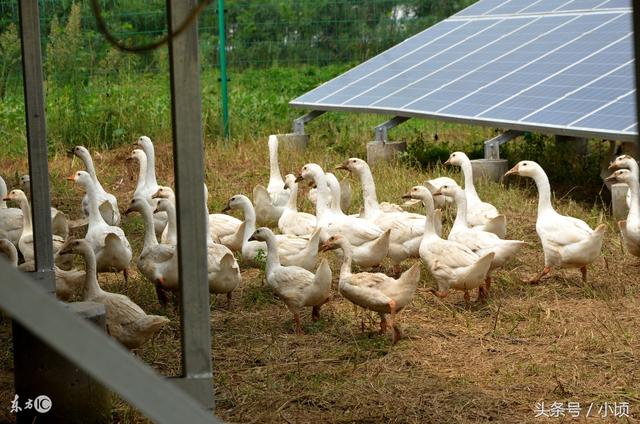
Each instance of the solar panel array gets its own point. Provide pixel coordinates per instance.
(558, 66)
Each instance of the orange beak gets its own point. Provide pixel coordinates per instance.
(71, 178)
(512, 171)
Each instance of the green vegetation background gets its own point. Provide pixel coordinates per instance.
(101, 98)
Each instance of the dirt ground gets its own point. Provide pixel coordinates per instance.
(562, 341)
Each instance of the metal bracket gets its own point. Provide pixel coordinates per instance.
(45, 278)
(298, 123)
(383, 129)
(492, 147)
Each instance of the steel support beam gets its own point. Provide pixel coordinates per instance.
(383, 129)
(299, 123)
(37, 142)
(492, 147)
(92, 350)
(188, 158)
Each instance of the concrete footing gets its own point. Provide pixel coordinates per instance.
(384, 152)
(293, 141)
(71, 395)
(489, 169)
(619, 200)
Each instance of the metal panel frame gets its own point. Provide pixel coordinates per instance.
(37, 142)
(29, 301)
(95, 352)
(188, 159)
(496, 123)
(628, 134)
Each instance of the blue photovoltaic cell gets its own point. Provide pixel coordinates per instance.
(526, 64)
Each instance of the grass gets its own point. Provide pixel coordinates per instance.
(561, 341)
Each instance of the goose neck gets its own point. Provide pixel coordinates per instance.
(172, 231)
(461, 210)
(91, 170)
(249, 219)
(273, 259)
(142, 172)
(634, 190)
(544, 192)
(292, 202)
(371, 205)
(150, 239)
(26, 215)
(469, 186)
(274, 167)
(92, 288)
(345, 268)
(95, 217)
(334, 187)
(3, 192)
(323, 194)
(151, 166)
(429, 227)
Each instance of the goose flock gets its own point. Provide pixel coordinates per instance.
(294, 268)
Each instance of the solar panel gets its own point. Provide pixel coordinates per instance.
(560, 66)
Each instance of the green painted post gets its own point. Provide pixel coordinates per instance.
(223, 70)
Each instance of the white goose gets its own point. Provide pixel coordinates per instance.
(270, 202)
(567, 242)
(107, 203)
(367, 255)
(293, 250)
(480, 242)
(10, 218)
(406, 228)
(345, 195)
(453, 265)
(291, 221)
(630, 228)
(150, 183)
(374, 291)
(59, 223)
(139, 156)
(371, 243)
(225, 229)
(433, 185)
(68, 283)
(223, 269)
(372, 208)
(25, 243)
(157, 262)
(479, 213)
(296, 286)
(626, 162)
(110, 245)
(126, 321)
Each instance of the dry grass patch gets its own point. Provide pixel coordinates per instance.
(561, 341)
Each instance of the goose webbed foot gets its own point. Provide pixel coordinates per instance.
(383, 324)
(583, 270)
(296, 319)
(536, 280)
(397, 333)
(438, 293)
(315, 313)
(483, 294)
(162, 295)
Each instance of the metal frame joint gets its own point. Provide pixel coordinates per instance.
(492, 146)
(382, 130)
(299, 123)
